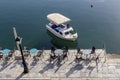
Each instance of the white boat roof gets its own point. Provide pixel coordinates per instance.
(57, 18)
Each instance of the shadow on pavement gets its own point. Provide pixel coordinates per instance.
(34, 62)
(90, 68)
(20, 76)
(47, 67)
(77, 67)
(5, 65)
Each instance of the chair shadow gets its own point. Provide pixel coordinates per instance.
(91, 68)
(5, 65)
(20, 76)
(46, 68)
(59, 64)
(13, 65)
(18, 62)
(58, 67)
(77, 67)
(34, 62)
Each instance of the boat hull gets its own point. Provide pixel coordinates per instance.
(58, 35)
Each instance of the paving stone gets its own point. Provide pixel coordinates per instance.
(93, 75)
(100, 75)
(111, 71)
(104, 72)
(112, 64)
(118, 71)
(105, 65)
(111, 67)
(113, 79)
(117, 66)
(105, 68)
(111, 75)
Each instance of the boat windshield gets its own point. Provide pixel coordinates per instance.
(61, 33)
(66, 33)
(70, 32)
(62, 26)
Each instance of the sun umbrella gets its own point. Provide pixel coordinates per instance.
(33, 51)
(5, 51)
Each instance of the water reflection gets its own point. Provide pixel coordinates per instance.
(60, 43)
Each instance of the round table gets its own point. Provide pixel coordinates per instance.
(58, 52)
(86, 52)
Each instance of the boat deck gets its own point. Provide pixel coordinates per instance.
(107, 68)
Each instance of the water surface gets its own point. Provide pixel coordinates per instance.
(95, 26)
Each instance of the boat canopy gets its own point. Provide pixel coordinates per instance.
(57, 18)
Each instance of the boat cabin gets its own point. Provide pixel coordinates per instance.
(62, 29)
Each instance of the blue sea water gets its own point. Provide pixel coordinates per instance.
(95, 26)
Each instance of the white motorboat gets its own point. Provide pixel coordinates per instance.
(59, 29)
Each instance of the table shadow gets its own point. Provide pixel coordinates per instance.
(46, 68)
(76, 67)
